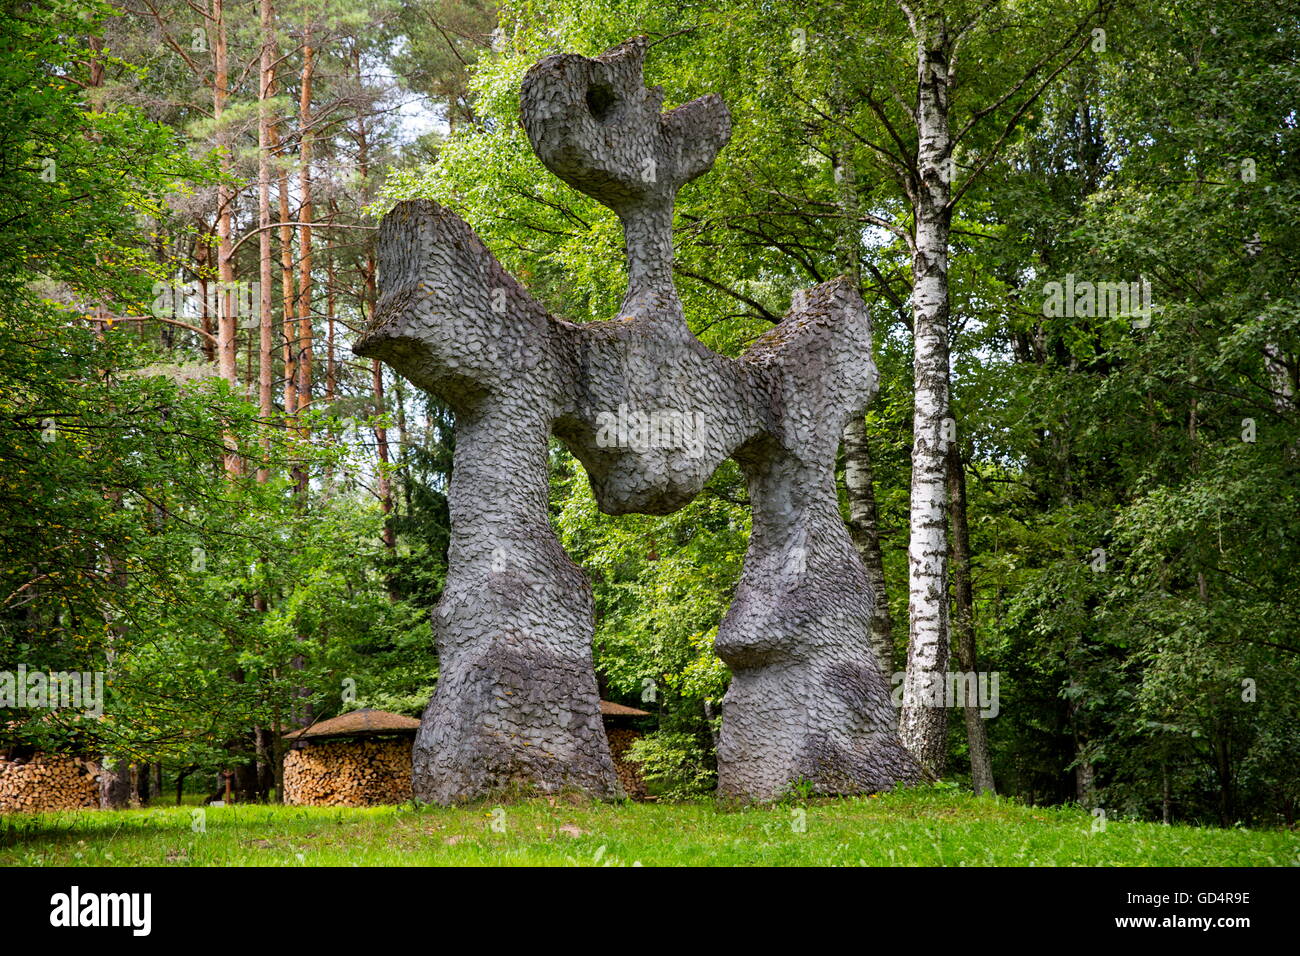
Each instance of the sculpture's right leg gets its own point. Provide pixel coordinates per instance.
(516, 707)
(807, 704)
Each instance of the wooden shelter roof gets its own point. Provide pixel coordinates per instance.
(357, 723)
(610, 709)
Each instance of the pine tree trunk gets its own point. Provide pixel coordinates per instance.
(202, 256)
(226, 324)
(370, 297)
(331, 368)
(306, 136)
(225, 264)
(266, 341)
(924, 721)
(305, 711)
(114, 772)
(287, 294)
(381, 447)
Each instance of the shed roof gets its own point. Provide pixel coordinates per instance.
(361, 723)
(610, 709)
(358, 723)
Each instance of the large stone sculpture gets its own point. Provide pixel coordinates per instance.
(650, 412)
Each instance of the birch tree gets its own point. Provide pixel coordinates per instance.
(934, 183)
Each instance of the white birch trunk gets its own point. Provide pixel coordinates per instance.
(922, 725)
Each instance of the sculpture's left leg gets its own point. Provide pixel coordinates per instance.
(516, 707)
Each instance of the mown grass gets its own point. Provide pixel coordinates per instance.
(922, 827)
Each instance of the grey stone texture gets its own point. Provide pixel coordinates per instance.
(651, 413)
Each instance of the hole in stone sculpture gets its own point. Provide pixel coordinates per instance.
(601, 101)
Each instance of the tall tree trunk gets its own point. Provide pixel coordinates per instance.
(381, 447)
(306, 137)
(305, 714)
(266, 340)
(266, 272)
(403, 439)
(331, 296)
(115, 790)
(226, 322)
(370, 294)
(1085, 777)
(277, 749)
(202, 262)
(864, 529)
(963, 624)
(859, 486)
(924, 721)
(265, 762)
(114, 771)
(287, 294)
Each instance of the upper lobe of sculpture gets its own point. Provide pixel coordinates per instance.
(594, 125)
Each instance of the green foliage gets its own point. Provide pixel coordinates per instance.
(674, 765)
(661, 586)
(125, 547)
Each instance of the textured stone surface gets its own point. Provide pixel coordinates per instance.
(651, 413)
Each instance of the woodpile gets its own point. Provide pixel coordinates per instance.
(348, 773)
(48, 782)
(629, 774)
(363, 758)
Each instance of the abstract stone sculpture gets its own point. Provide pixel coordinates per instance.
(650, 412)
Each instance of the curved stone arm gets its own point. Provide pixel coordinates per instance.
(516, 705)
(450, 318)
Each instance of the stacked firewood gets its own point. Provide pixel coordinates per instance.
(348, 773)
(48, 782)
(629, 773)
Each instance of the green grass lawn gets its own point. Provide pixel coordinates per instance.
(919, 827)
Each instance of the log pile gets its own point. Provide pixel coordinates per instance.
(348, 773)
(629, 774)
(48, 782)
